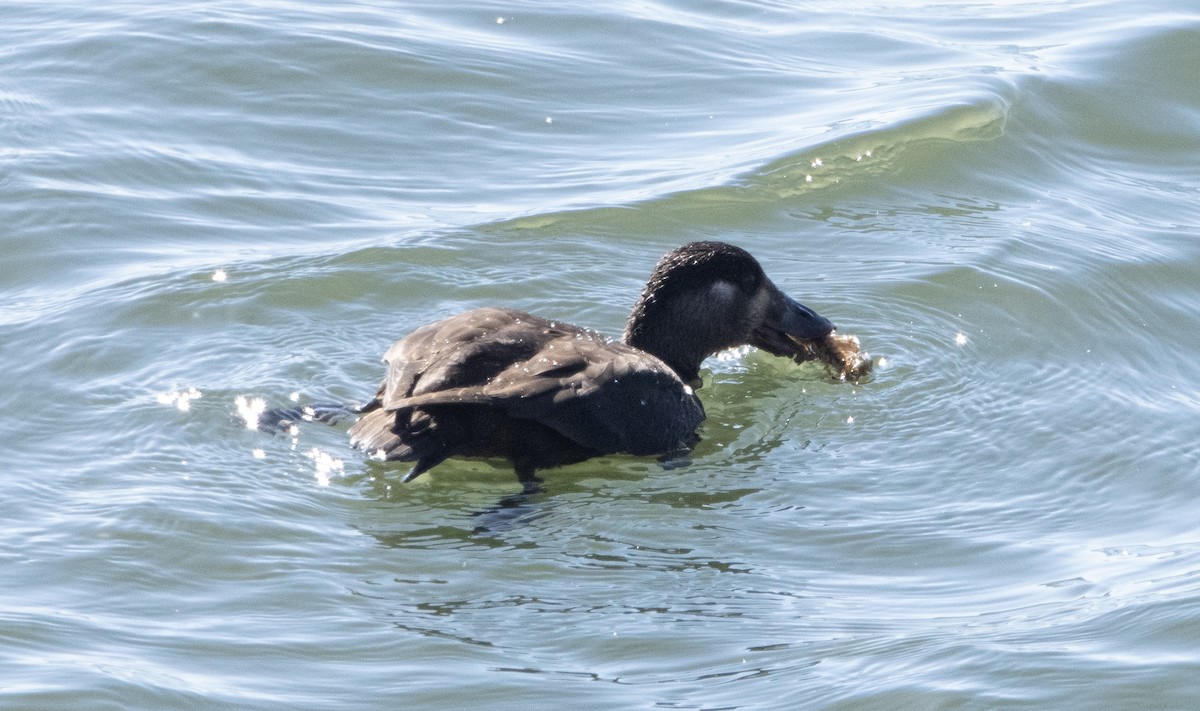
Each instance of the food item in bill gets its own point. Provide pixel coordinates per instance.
(842, 355)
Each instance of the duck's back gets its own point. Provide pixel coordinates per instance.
(500, 382)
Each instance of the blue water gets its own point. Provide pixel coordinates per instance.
(207, 202)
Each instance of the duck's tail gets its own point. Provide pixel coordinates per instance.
(281, 419)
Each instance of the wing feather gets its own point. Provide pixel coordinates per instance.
(602, 395)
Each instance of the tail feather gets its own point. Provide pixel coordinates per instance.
(373, 434)
(410, 433)
(283, 418)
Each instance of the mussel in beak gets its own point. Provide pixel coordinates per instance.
(842, 355)
(792, 330)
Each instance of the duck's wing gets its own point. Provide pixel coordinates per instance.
(446, 362)
(468, 349)
(602, 395)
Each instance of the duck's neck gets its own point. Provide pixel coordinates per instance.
(657, 330)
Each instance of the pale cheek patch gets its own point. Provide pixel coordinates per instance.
(722, 291)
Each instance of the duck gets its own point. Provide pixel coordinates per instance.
(505, 384)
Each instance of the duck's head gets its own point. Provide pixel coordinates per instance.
(705, 297)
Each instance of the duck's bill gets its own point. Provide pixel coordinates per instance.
(786, 322)
(792, 330)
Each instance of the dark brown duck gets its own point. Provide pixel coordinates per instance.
(496, 382)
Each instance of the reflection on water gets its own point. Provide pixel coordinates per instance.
(211, 202)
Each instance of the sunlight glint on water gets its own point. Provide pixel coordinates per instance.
(214, 210)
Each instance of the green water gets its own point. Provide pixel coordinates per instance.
(211, 201)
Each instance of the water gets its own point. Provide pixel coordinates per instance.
(211, 201)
